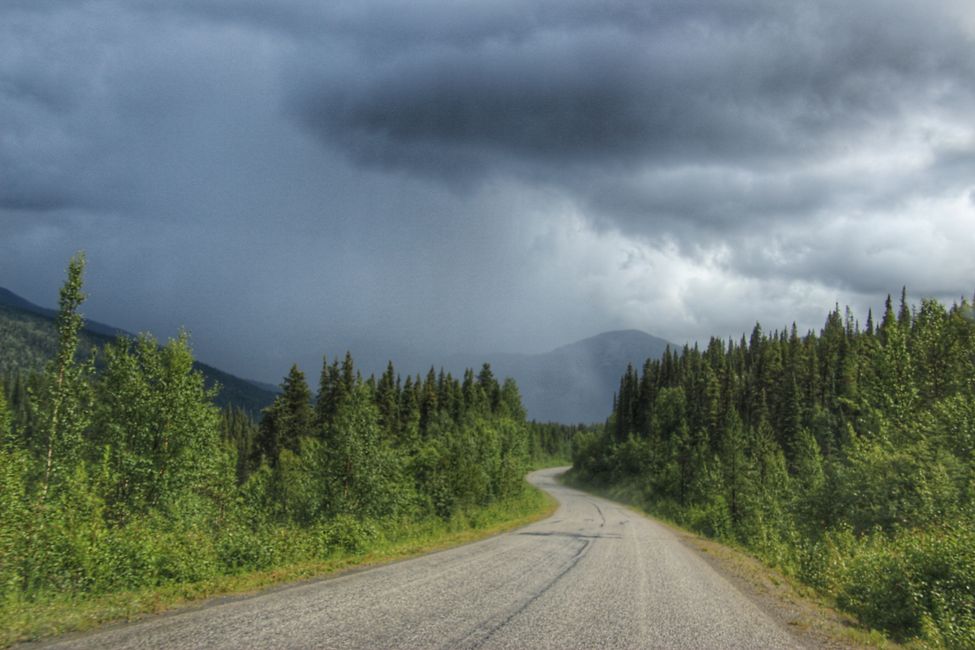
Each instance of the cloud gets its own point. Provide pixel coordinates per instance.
(658, 113)
(439, 176)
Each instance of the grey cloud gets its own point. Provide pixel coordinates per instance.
(474, 175)
(590, 92)
(692, 82)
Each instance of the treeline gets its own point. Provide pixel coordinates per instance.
(551, 442)
(130, 477)
(846, 457)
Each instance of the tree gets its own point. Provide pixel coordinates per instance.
(387, 400)
(511, 406)
(487, 382)
(429, 400)
(296, 417)
(363, 474)
(240, 432)
(325, 400)
(64, 408)
(157, 420)
(288, 419)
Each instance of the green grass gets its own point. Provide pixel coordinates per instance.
(53, 615)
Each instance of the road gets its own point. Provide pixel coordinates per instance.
(594, 575)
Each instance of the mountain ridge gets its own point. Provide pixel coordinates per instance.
(572, 383)
(29, 338)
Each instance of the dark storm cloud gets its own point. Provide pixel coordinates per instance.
(587, 94)
(481, 175)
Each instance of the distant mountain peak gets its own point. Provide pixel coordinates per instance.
(617, 337)
(574, 382)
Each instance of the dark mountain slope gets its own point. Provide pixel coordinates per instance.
(28, 338)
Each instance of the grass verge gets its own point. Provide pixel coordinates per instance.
(26, 621)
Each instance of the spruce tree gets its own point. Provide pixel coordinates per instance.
(488, 384)
(904, 313)
(387, 400)
(297, 418)
(324, 401)
(289, 419)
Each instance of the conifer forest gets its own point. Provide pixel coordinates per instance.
(844, 457)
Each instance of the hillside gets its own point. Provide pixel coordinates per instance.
(28, 339)
(573, 383)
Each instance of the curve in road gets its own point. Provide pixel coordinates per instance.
(594, 575)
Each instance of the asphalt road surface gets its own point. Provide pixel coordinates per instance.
(594, 575)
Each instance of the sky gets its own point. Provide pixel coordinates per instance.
(301, 177)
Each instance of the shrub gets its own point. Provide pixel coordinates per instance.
(347, 533)
(920, 583)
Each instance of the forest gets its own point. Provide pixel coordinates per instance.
(128, 476)
(846, 458)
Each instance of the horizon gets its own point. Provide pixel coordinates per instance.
(375, 365)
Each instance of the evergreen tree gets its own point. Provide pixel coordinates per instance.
(289, 418)
(387, 401)
(489, 385)
(429, 401)
(904, 313)
(240, 432)
(511, 406)
(296, 419)
(325, 400)
(409, 411)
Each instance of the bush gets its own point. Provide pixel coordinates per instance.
(241, 549)
(349, 534)
(920, 583)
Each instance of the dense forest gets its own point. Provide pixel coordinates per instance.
(847, 458)
(129, 476)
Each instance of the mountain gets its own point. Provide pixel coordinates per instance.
(28, 338)
(571, 384)
(576, 382)
(10, 299)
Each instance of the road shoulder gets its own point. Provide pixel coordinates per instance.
(795, 607)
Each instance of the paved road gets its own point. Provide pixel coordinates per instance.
(594, 575)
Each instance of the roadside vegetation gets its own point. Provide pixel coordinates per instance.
(125, 489)
(845, 458)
